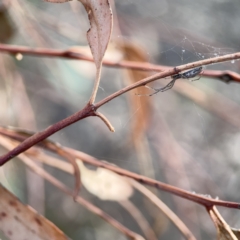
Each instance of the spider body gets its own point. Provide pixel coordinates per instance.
(185, 75)
(189, 74)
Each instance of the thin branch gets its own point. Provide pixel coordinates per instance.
(88, 110)
(169, 72)
(105, 120)
(77, 55)
(96, 85)
(139, 218)
(40, 136)
(225, 76)
(165, 209)
(197, 198)
(92, 208)
(56, 163)
(76, 170)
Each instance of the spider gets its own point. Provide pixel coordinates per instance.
(185, 75)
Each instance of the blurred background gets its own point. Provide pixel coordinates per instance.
(187, 136)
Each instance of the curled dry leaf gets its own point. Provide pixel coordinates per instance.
(101, 21)
(100, 18)
(19, 222)
(105, 184)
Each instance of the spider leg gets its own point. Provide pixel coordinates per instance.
(149, 95)
(193, 80)
(163, 89)
(138, 94)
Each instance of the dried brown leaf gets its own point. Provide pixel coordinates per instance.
(224, 230)
(19, 222)
(132, 52)
(236, 232)
(100, 18)
(101, 21)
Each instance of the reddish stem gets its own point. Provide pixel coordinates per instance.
(40, 136)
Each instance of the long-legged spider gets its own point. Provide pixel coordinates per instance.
(185, 75)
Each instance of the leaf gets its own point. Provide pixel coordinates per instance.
(141, 119)
(224, 230)
(236, 232)
(100, 18)
(101, 21)
(105, 184)
(19, 222)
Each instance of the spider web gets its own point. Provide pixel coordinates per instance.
(188, 50)
(167, 43)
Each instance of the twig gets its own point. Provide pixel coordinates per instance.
(34, 167)
(198, 198)
(105, 120)
(95, 87)
(139, 218)
(223, 229)
(76, 171)
(40, 136)
(225, 76)
(165, 209)
(71, 54)
(168, 212)
(170, 72)
(88, 110)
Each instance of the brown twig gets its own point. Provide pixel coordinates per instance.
(95, 87)
(165, 209)
(105, 120)
(139, 218)
(197, 198)
(92, 208)
(53, 147)
(71, 54)
(56, 163)
(225, 76)
(169, 72)
(88, 110)
(40, 136)
(223, 229)
(64, 166)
